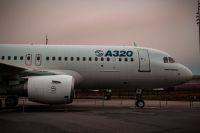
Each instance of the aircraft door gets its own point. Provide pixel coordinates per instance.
(144, 61)
(28, 60)
(38, 59)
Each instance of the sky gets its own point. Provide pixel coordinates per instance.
(167, 25)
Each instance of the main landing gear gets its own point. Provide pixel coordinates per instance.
(139, 100)
(11, 101)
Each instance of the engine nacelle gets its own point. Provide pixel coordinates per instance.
(53, 89)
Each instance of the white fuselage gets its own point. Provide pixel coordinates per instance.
(114, 67)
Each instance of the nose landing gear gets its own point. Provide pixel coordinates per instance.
(139, 100)
(140, 103)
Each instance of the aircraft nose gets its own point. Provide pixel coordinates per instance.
(186, 74)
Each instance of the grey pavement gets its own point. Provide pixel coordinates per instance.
(89, 116)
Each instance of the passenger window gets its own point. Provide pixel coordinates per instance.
(28, 57)
(65, 58)
(96, 58)
(125, 59)
(77, 58)
(2, 57)
(21, 57)
(90, 58)
(165, 59)
(102, 59)
(38, 58)
(120, 59)
(108, 59)
(9, 57)
(84, 58)
(47, 58)
(132, 59)
(54, 58)
(171, 60)
(72, 58)
(15, 57)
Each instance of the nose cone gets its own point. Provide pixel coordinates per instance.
(186, 74)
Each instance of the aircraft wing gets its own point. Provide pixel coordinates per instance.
(9, 71)
(4, 68)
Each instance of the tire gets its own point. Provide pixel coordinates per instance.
(140, 103)
(107, 97)
(11, 101)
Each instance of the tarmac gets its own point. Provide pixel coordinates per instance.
(99, 116)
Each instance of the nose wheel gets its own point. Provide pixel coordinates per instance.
(140, 103)
(139, 100)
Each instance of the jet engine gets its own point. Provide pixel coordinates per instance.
(53, 89)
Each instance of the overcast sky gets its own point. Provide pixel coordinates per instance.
(168, 25)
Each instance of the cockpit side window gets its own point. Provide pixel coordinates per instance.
(168, 60)
(165, 59)
(171, 60)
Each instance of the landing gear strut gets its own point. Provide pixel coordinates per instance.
(139, 100)
(108, 94)
(11, 101)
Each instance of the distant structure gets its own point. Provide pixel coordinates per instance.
(198, 21)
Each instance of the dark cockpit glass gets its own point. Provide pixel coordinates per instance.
(165, 59)
(171, 60)
(168, 60)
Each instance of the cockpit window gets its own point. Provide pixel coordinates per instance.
(165, 59)
(171, 60)
(168, 60)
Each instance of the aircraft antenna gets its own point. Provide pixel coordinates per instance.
(135, 44)
(198, 21)
(46, 39)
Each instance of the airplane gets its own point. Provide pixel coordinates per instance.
(50, 74)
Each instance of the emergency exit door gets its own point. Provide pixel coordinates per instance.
(144, 61)
(38, 59)
(28, 59)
